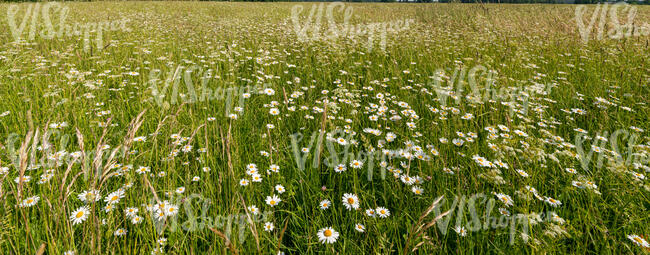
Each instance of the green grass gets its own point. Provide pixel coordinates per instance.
(46, 81)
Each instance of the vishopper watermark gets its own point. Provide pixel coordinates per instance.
(48, 150)
(478, 84)
(608, 17)
(192, 75)
(334, 150)
(476, 221)
(49, 12)
(198, 218)
(616, 153)
(310, 29)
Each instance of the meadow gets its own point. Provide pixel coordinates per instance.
(253, 128)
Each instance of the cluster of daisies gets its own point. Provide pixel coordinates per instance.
(398, 118)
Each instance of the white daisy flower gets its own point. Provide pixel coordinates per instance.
(327, 235)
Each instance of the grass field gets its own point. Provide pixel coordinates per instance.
(213, 128)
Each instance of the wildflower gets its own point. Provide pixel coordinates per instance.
(382, 212)
(256, 178)
(143, 170)
(253, 209)
(89, 196)
(407, 179)
(557, 218)
(268, 226)
(327, 235)
(80, 215)
(638, 175)
(131, 211)
(360, 228)
(390, 137)
(350, 201)
(171, 210)
(638, 241)
(553, 202)
(279, 188)
(114, 197)
(120, 232)
(340, 168)
(30, 201)
(578, 111)
(460, 230)
(162, 241)
(578, 184)
(108, 208)
(636, 129)
(325, 204)
(522, 173)
(520, 133)
(251, 172)
(160, 215)
(506, 199)
(25, 179)
(580, 130)
(136, 219)
(273, 200)
(417, 190)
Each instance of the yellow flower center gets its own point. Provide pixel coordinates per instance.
(327, 233)
(350, 200)
(79, 214)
